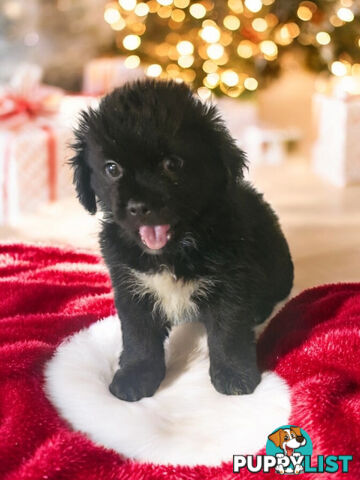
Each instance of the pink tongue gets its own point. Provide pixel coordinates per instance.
(154, 236)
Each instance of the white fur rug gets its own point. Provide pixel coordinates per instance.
(186, 422)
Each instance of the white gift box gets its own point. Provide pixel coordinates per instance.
(336, 152)
(33, 168)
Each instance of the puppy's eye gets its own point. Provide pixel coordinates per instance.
(113, 170)
(173, 164)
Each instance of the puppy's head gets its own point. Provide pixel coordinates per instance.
(156, 159)
(288, 438)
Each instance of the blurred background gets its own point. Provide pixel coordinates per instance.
(284, 73)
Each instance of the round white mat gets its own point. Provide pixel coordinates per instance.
(186, 422)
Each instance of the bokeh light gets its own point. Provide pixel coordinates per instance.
(210, 34)
(338, 68)
(251, 84)
(253, 5)
(127, 4)
(230, 78)
(154, 70)
(133, 61)
(112, 15)
(231, 22)
(131, 42)
(197, 10)
(185, 47)
(323, 38)
(345, 14)
(215, 51)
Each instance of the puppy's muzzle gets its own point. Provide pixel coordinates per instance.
(138, 209)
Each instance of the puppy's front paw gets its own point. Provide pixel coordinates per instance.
(229, 381)
(134, 382)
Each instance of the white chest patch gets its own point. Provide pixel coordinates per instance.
(173, 297)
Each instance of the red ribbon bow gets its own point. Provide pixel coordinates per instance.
(11, 105)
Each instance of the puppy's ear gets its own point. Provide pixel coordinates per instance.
(233, 158)
(275, 438)
(81, 169)
(297, 431)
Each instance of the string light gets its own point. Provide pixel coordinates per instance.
(304, 13)
(339, 69)
(112, 15)
(345, 14)
(236, 6)
(253, 5)
(269, 49)
(185, 47)
(286, 33)
(215, 51)
(209, 66)
(210, 47)
(131, 42)
(245, 49)
(119, 25)
(230, 78)
(335, 21)
(259, 24)
(251, 84)
(133, 61)
(178, 15)
(197, 10)
(232, 91)
(231, 22)
(210, 34)
(323, 38)
(127, 4)
(211, 80)
(204, 93)
(141, 9)
(164, 12)
(181, 3)
(186, 61)
(154, 70)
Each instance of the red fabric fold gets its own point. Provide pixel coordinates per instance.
(49, 293)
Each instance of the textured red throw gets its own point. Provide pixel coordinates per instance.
(47, 294)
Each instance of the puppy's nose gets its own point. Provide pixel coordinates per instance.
(300, 438)
(138, 209)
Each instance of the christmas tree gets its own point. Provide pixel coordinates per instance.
(235, 46)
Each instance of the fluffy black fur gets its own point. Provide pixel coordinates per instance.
(221, 229)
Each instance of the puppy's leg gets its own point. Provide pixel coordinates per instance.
(232, 351)
(142, 364)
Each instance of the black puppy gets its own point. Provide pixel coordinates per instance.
(184, 236)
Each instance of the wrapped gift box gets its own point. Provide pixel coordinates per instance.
(102, 75)
(33, 168)
(34, 145)
(336, 152)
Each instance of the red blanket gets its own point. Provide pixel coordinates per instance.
(47, 294)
